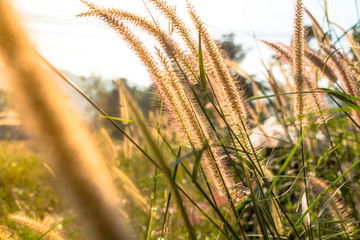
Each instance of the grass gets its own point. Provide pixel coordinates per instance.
(192, 169)
(29, 187)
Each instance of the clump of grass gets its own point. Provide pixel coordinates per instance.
(175, 92)
(178, 75)
(46, 232)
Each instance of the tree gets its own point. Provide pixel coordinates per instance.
(235, 52)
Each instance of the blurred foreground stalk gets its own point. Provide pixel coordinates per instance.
(60, 133)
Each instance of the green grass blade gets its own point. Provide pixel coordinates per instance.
(288, 159)
(185, 157)
(117, 119)
(50, 229)
(276, 95)
(197, 162)
(339, 234)
(163, 166)
(322, 209)
(345, 98)
(169, 197)
(344, 111)
(325, 192)
(327, 59)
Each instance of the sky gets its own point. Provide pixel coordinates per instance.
(85, 46)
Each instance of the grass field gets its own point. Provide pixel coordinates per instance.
(210, 162)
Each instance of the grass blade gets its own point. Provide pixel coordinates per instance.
(197, 162)
(322, 209)
(345, 98)
(325, 192)
(116, 118)
(169, 197)
(288, 159)
(53, 227)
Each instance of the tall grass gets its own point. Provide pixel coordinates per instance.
(300, 182)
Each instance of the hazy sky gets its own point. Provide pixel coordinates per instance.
(85, 46)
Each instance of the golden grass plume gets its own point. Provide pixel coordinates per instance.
(36, 226)
(175, 92)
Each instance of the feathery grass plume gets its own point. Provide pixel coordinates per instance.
(178, 24)
(170, 47)
(185, 33)
(282, 51)
(168, 226)
(314, 58)
(260, 106)
(179, 103)
(124, 113)
(354, 68)
(286, 56)
(80, 168)
(298, 62)
(230, 96)
(337, 208)
(319, 63)
(5, 235)
(36, 226)
(123, 108)
(349, 83)
(202, 134)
